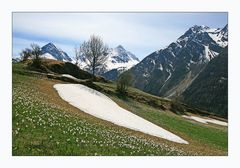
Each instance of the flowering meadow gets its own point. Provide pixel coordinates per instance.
(44, 128)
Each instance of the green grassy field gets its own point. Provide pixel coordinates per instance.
(44, 124)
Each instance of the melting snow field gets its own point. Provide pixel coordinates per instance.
(100, 106)
(206, 121)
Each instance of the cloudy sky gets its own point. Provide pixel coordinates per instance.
(140, 33)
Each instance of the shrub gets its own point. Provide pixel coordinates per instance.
(124, 81)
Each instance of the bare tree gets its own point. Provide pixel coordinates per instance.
(36, 53)
(95, 52)
(26, 54)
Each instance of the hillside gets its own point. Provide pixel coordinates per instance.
(44, 124)
(209, 90)
(60, 67)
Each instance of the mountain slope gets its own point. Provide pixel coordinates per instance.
(113, 74)
(118, 60)
(209, 90)
(169, 71)
(50, 51)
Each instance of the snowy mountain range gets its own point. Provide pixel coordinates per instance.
(50, 51)
(169, 71)
(118, 59)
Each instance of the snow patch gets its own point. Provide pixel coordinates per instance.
(146, 75)
(217, 37)
(170, 74)
(160, 67)
(209, 54)
(206, 121)
(48, 56)
(69, 76)
(97, 104)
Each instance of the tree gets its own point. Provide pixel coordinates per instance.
(36, 53)
(95, 51)
(26, 54)
(176, 103)
(124, 81)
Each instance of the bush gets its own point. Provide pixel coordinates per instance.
(26, 54)
(124, 81)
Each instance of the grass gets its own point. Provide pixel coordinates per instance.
(195, 133)
(44, 124)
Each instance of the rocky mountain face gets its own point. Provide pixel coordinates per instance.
(50, 51)
(209, 90)
(118, 61)
(170, 71)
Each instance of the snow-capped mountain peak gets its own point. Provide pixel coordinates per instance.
(50, 51)
(205, 35)
(121, 54)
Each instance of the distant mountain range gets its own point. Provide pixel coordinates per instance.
(117, 62)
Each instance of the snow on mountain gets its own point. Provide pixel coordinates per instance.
(50, 51)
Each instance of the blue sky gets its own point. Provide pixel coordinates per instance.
(140, 33)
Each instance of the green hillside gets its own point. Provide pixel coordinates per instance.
(44, 124)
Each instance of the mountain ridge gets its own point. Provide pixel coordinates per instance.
(168, 72)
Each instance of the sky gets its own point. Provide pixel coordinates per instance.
(139, 33)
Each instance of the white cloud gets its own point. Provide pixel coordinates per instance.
(114, 28)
